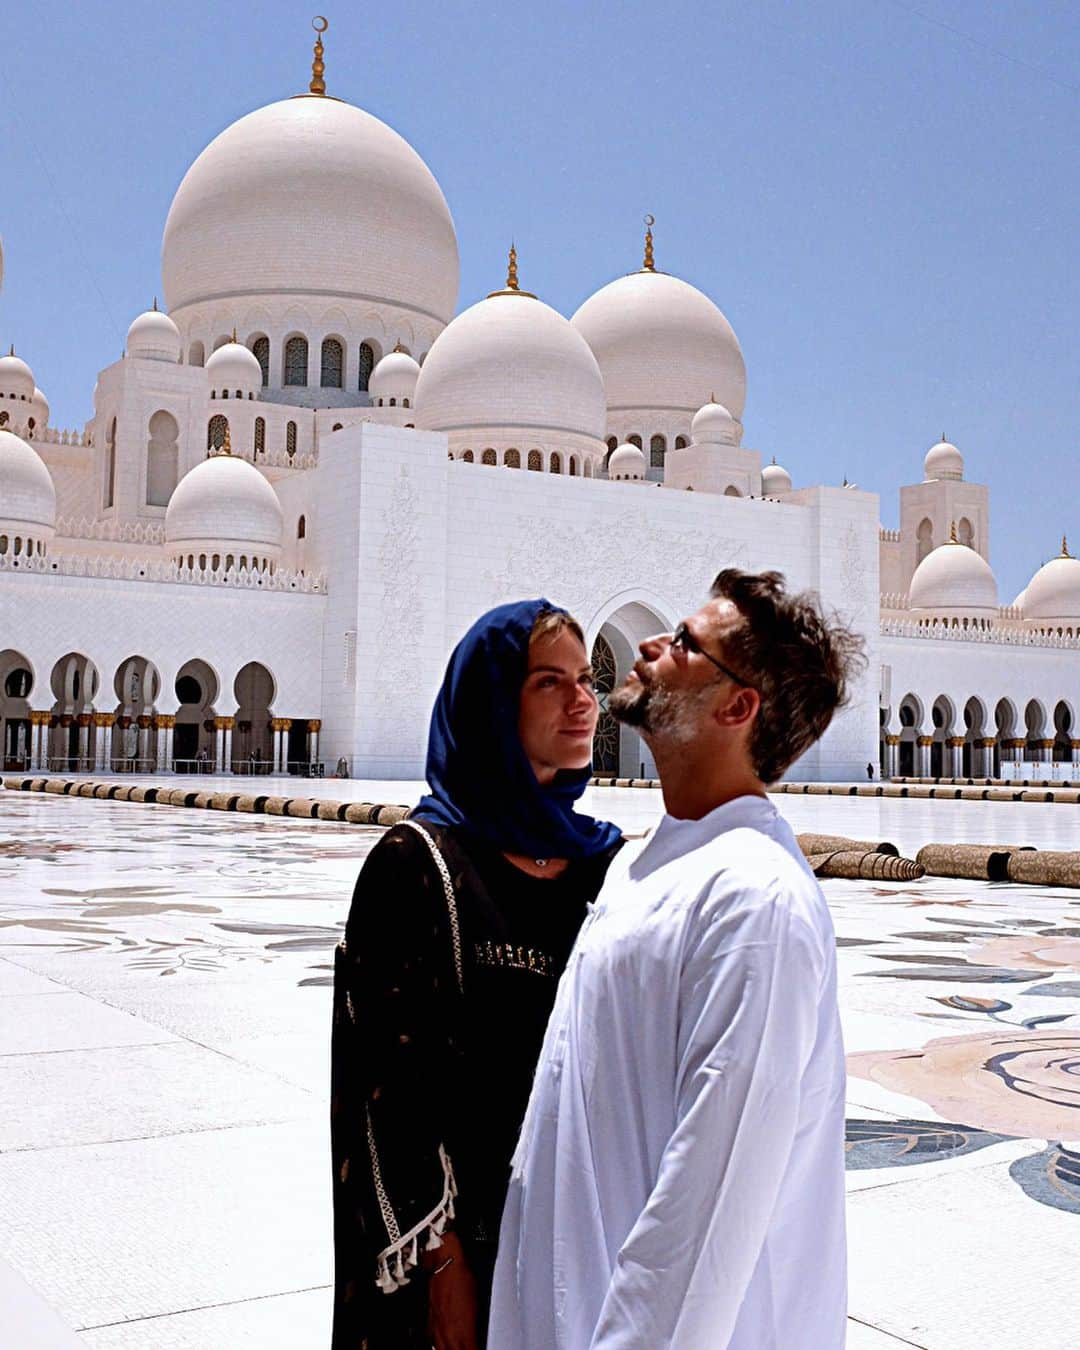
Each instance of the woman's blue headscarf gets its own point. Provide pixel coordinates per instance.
(480, 777)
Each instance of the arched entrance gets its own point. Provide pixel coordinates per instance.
(911, 720)
(16, 682)
(942, 716)
(1063, 725)
(74, 682)
(194, 738)
(253, 740)
(136, 685)
(1005, 725)
(1035, 723)
(619, 748)
(974, 760)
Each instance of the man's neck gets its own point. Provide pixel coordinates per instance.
(693, 788)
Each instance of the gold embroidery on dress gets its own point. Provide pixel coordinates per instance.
(508, 956)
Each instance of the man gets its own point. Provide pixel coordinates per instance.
(678, 1183)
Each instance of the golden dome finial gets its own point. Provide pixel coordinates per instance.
(155, 304)
(1065, 547)
(398, 347)
(233, 339)
(952, 534)
(649, 265)
(318, 69)
(511, 269)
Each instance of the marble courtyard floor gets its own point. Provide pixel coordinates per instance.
(164, 1018)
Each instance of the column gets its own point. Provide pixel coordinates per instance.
(275, 727)
(219, 744)
(39, 722)
(84, 720)
(142, 747)
(103, 722)
(286, 724)
(986, 756)
(892, 756)
(1046, 749)
(164, 723)
(955, 759)
(922, 756)
(224, 727)
(1075, 745)
(314, 726)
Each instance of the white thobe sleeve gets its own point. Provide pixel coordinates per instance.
(749, 997)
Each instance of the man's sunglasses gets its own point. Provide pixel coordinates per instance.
(682, 637)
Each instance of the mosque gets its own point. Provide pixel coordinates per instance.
(307, 475)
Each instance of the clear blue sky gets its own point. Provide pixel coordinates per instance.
(882, 197)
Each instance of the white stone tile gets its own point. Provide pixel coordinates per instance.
(15, 979)
(69, 1022)
(284, 1322)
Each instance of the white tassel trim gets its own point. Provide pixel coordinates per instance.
(395, 1261)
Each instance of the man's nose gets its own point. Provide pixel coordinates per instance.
(654, 646)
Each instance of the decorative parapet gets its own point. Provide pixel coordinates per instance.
(280, 459)
(888, 536)
(139, 569)
(1002, 637)
(54, 436)
(894, 600)
(1010, 612)
(121, 532)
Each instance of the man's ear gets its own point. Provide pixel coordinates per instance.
(739, 708)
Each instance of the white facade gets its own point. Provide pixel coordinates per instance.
(300, 486)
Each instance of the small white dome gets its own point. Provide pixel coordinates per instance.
(153, 337)
(233, 369)
(714, 425)
(394, 376)
(954, 580)
(943, 461)
(16, 378)
(39, 410)
(511, 361)
(661, 343)
(1053, 593)
(627, 464)
(27, 494)
(775, 480)
(224, 505)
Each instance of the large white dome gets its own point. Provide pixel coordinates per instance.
(224, 505)
(311, 197)
(512, 362)
(1053, 593)
(943, 460)
(233, 372)
(954, 580)
(16, 378)
(153, 337)
(662, 345)
(27, 494)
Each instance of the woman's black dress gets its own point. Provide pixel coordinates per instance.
(438, 1023)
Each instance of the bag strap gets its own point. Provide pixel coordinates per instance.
(448, 892)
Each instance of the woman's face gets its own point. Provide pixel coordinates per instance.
(558, 709)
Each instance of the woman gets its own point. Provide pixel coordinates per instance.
(462, 920)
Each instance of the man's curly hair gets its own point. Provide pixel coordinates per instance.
(800, 662)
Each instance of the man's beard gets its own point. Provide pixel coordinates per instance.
(659, 713)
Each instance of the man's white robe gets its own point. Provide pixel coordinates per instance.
(679, 1180)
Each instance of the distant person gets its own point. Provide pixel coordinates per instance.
(460, 926)
(201, 759)
(870, 771)
(679, 1181)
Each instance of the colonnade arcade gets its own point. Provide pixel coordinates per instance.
(974, 739)
(79, 723)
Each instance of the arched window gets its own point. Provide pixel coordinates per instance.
(4, 418)
(681, 442)
(512, 459)
(393, 402)
(732, 491)
(404, 402)
(924, 539)
(556, 463)
(31, 424)
(333, 362)
(573, 466)
(260, 435)
(635, 439)
(657, 451)
(366, 356)
(965, 533)
(612, 442)
(467, 457)
(196, 354)
(296, 359)
(535, 461)
(215, 433)
(162, 458)
(110, 464)
(489, 457)
(301, 528)
(261, 349)
(290, 439)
